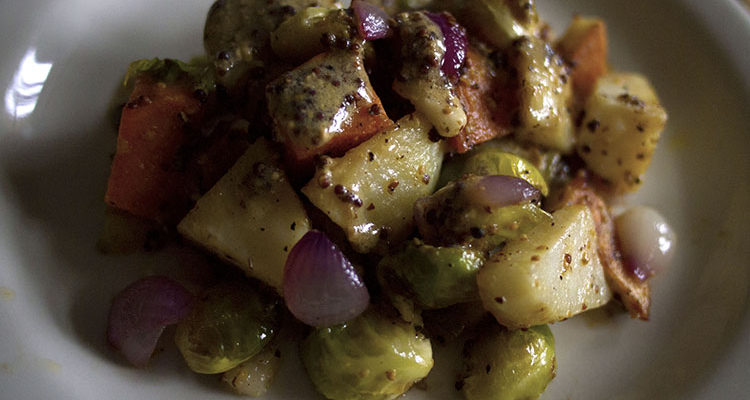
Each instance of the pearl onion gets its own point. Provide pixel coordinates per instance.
(646, 240)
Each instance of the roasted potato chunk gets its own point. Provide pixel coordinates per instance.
(620, 130)
(551, 274)
(251, 218)
(371, 190)
(634, 293)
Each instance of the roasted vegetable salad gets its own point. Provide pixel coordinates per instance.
(372, 168)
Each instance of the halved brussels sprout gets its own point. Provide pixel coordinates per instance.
(373, 357)
(503, 163)
(494, 160)
(456, 214)
(435, 277)
(230, 323)
(502, 364)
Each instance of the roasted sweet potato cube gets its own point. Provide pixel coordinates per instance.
(584, 47)
(476, 89)
(325, 106)
(147, 177)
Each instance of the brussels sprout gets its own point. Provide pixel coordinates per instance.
(230, 323)
(452, 216)
(299, 37)
(502, 163)
(373, 357)
(549, 162)
(197, 72)
(505, 365)
(552, 166)
(406, 307)
(493, 160)
(435, 277)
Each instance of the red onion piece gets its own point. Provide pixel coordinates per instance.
(372, 20)
(646, 240)
(321, 288)
(501, 190)
(140, 312)
(456, 41)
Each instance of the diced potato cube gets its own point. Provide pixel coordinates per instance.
(251, 218)
(634, 293)
(545, 93)
(370, 191)
(552, 274)
(622, 124)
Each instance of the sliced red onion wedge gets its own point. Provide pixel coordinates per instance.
(646, 240)
(372, 21)
(501, 190)
(455, 39)
(141, 311)
(321, 287)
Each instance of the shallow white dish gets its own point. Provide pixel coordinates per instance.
(62, 63)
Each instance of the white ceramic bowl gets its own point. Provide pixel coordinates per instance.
(61, 66)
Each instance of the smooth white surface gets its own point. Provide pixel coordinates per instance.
(55, 288)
